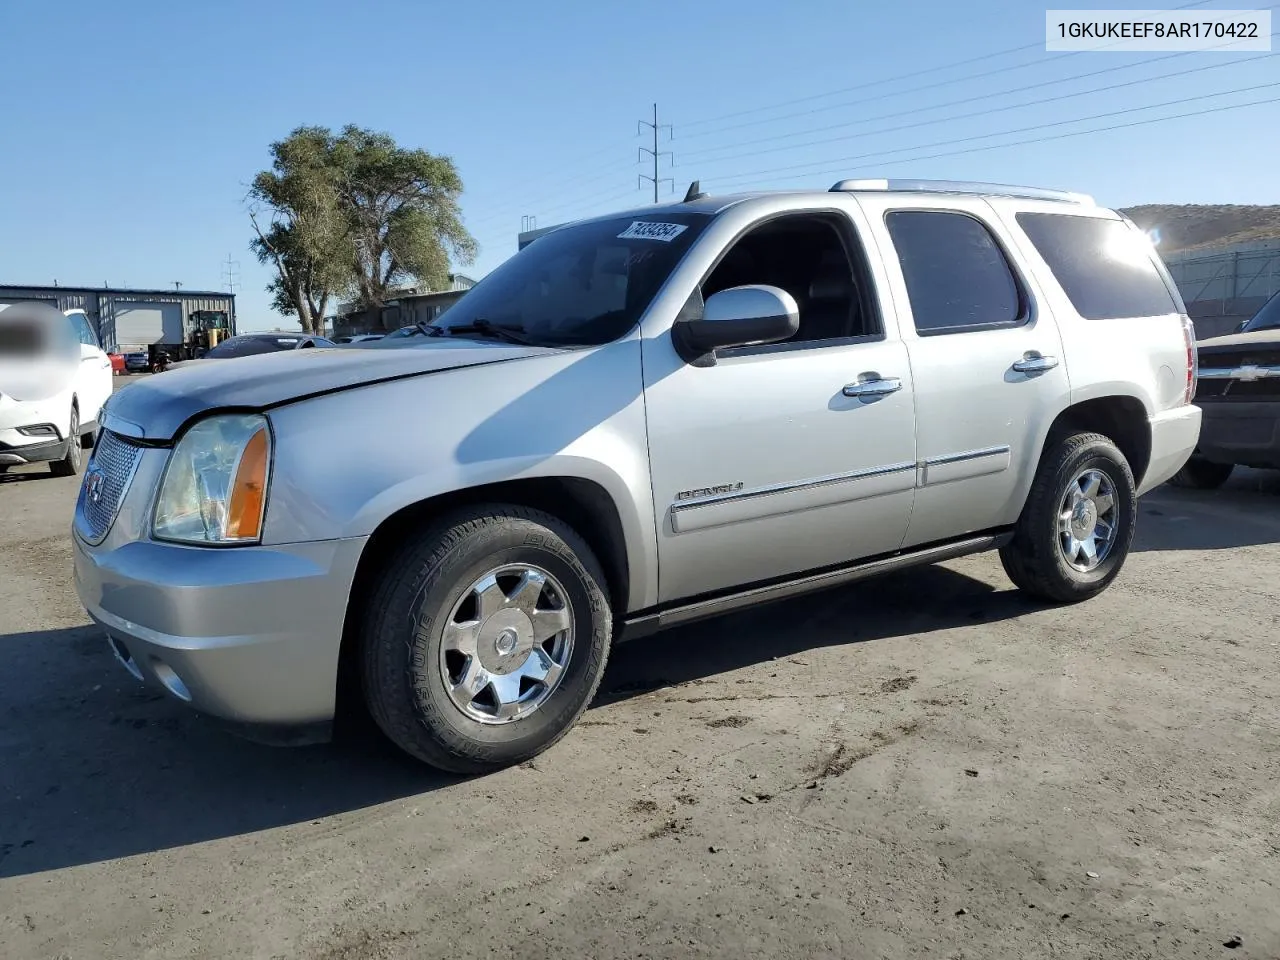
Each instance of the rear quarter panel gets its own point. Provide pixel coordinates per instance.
(1143, 357)
(346, 461)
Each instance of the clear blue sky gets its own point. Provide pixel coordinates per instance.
(128, 131)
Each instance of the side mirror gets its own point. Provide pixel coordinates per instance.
(738, 317)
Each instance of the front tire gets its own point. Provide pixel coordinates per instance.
(69, 465)
(486, 639)
(1198, 474)
(1078, 522)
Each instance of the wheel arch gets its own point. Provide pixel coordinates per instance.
(1121, 417)
(584, 504)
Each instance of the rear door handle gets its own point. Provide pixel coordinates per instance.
(877, 386)
(1035, 364)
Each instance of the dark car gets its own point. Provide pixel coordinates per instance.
(1238, 388)
(249, 344)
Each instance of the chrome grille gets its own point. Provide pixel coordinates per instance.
(106, 479)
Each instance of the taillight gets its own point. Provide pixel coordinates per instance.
(1193, 360)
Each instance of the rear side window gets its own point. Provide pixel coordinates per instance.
(956, 274)
(1104, 266)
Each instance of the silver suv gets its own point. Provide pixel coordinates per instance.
(637, 421)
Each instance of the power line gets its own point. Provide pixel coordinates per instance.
(859, 86)
(576, 184)
(962, 116)
(655, 153)
(490, 211)
(928, 86)
(1073, 133)
(1032, 140)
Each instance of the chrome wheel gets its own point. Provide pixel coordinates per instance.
(1087, 520)
(506, 644)
(73, 447)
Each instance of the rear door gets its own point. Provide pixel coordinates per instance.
(985, 357)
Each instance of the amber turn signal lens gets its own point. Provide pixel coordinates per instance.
(248, 491)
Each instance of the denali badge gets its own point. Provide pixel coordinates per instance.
(709, 491)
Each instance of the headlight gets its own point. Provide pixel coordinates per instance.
(214, 488)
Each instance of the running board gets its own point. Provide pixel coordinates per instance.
(644, 624)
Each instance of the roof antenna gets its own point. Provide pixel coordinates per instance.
(695, 192)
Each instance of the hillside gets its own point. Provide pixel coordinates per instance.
(1194, 226)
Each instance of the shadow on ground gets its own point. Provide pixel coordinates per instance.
(94, 767)
(1245, 512)
(25, 474)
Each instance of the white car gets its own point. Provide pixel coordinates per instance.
(56, 430)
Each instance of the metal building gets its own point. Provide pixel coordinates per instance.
(1225, 285)
(408, 305)
(135, 319)
(527, 237)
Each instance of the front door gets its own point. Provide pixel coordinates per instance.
(779, 459)
(987, 360)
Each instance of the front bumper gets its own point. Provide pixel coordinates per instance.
(250, 635)
(1173, 439)
(30, 451)
(1241, 432)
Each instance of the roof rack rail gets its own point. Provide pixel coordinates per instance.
(961, 186)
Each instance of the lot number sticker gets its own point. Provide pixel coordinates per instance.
(646, 230)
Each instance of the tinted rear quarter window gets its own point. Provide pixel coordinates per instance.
(956, 274)
(1104, 266)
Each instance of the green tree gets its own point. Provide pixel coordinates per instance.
(354, 214)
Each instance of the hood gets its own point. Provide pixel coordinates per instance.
(1255, 338)
(156, 408)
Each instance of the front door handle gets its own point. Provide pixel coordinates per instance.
(875, 387)
(1035, 364)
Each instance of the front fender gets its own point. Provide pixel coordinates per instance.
(346, 462)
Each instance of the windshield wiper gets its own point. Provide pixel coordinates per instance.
(512, 333)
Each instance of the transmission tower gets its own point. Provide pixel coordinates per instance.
(655, 153)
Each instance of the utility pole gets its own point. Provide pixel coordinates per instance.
(177, 284)
(655, 153)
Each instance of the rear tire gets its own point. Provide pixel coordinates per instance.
(484, 601)
(1078, 522)
(1198, 474)
(69, 465)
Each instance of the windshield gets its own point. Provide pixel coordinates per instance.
(580, 286)
(246, 346)
(1267, 318)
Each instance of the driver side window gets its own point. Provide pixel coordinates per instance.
(808, 256)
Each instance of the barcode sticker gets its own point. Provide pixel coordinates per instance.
(647, 230)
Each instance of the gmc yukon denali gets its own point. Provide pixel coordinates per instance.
(639, 420)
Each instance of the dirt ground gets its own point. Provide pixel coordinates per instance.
(921, 766)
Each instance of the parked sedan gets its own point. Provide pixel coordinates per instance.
(249, 344)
